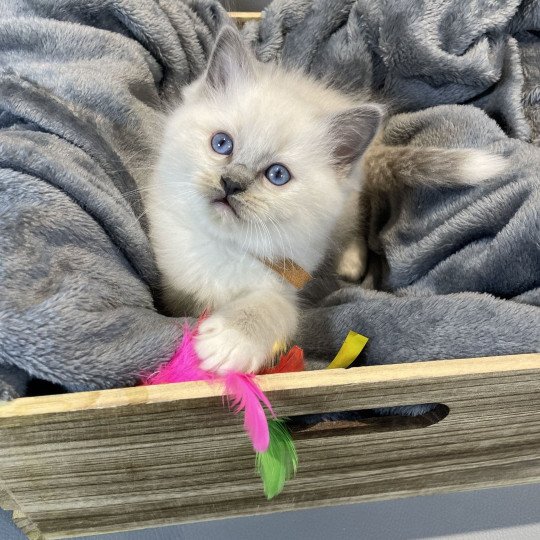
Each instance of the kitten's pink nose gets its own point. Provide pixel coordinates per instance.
(230, 186)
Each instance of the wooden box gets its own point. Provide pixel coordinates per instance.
(140, 457)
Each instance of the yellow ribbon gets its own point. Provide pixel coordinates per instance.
(351, 348)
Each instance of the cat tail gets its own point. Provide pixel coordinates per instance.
(385, 166)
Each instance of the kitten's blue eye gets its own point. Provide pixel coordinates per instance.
(222, 144)
(278, 174)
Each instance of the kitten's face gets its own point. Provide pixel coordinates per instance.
(256, 154)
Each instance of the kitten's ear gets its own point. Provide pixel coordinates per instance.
(230, 59)
(352, 131)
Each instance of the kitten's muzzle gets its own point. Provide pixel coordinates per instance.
(236, 178)
(231, 186)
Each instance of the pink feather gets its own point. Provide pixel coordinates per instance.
(245, 395)
(184, 365)
(241, 388)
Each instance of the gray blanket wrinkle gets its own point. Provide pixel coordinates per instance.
(452, 273)
(82, 85)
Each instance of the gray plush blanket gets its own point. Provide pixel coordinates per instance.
(454, 273)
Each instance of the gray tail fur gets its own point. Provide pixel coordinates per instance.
(387, 165)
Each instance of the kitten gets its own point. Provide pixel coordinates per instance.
(260, 166)
(256, 168)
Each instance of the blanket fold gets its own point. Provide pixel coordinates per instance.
(82, 86)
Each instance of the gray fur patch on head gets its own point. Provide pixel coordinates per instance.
(352, 131)
(230, 59)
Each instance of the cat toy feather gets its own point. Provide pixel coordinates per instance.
(280, 461)
(245, 395)
(276, 457)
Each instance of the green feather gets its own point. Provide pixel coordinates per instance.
(279, 463)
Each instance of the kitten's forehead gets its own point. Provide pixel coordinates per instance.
(273, 122)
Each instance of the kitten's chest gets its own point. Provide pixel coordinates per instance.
(211, 273)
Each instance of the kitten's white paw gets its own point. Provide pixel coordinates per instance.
(223, 348)
(353, 263)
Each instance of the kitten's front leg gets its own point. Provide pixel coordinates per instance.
(241, 335)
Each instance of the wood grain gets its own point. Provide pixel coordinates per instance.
(27, 526)
(140, 457)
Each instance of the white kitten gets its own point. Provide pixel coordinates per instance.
(257, 164)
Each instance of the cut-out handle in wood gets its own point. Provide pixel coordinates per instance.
(368, 424)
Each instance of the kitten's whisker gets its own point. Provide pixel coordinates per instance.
(265, 245)
(268, 235)
(245, 251)
(243, 248)
(284, 251)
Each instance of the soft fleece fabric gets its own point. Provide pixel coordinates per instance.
(454, 273)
